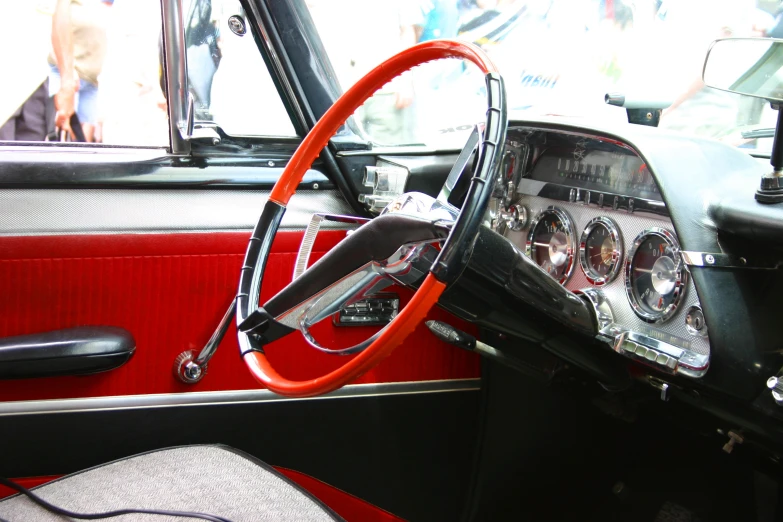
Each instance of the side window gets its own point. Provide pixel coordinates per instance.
(84, 70)
(227, 76)
(92, 70)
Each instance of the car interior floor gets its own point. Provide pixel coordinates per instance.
(573, 451)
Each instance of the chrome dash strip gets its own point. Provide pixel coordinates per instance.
(171, 400)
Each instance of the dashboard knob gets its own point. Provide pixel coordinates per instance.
(515, 217)
(695, 323)
(775, 385)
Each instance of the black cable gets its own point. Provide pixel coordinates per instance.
(108, 514)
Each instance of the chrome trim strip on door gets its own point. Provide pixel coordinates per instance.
(171, 400)
(28, 212)
(105, 166)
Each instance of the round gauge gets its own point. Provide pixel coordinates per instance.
(551, 243)
(654, 278)
(601, 250)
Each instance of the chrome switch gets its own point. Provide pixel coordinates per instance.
(775, 385)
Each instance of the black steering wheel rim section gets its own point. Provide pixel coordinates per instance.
(456, 251)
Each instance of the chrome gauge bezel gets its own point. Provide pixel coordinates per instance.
(681, 281)
(617, 252)
(568, 224)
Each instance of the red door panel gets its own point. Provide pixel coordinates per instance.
(170, 291)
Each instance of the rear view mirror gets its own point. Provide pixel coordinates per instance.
(750, 66)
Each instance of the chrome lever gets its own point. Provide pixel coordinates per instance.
(190, 368)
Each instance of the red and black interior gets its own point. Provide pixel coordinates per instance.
(154, 244)
(170, 291)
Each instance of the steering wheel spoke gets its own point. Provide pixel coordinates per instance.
(407, 266)
(348, 290)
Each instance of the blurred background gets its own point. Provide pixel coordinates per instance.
(558, 57)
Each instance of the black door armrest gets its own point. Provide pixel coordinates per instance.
(73, 351)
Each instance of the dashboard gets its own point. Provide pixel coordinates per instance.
(587, 210)
(629, 252)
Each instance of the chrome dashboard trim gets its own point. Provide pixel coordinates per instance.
(651, 348)
(569, 225)
(603, 313)
(598, 198)
(720, 260)
(617, 252)
(661, 355)
(681, 281)
(173, 400)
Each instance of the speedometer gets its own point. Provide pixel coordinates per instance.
(551, 243)
(654, 278)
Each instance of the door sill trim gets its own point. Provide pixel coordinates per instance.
(172, 400)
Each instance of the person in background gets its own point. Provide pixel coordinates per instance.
(24, 101)
(389, 116)
(440, 20)
(78, 49)
(775, 29)
(28, 123)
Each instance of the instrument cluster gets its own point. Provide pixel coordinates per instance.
(607, 236)
(654, 278)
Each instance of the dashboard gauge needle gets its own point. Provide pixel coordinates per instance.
(645, 270)
(545, 245)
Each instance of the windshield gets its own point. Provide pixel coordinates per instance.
(558, 58)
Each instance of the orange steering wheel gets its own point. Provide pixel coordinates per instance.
(393, 245)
